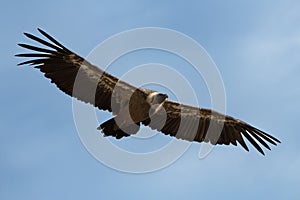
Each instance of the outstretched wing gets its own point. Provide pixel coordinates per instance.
(195, 124)
(74, 75)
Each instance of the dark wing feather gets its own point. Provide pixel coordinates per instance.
(63, 67)
(209, 126)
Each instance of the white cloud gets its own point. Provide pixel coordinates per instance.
(270, 51)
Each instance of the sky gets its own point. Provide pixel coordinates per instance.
(255, 46)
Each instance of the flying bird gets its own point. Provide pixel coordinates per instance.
(132, 106)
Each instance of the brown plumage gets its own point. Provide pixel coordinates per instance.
(130, 105)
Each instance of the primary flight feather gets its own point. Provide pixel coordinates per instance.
(133, 106)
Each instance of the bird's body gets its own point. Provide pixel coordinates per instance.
(133, 106)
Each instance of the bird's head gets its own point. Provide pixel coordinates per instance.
(156, 98)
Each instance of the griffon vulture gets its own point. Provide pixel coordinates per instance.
(133, 106)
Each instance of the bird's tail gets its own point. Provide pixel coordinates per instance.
(110, 128)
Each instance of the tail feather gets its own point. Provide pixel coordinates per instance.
(110, 128)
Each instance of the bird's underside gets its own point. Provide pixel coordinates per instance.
(133, 106)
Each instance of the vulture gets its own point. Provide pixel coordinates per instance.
(132, 106)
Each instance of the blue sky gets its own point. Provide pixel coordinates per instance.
(255, 46)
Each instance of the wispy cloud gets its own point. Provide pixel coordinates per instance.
(271, 48)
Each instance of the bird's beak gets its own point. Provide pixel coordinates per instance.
(165, 96)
